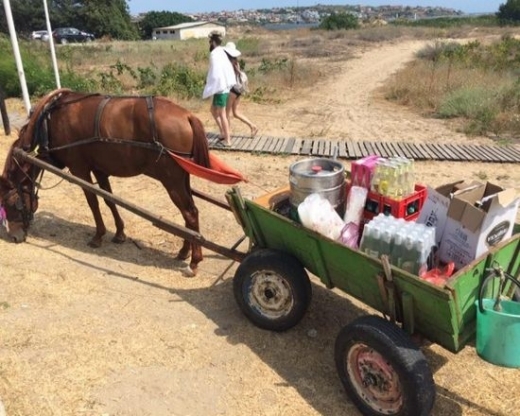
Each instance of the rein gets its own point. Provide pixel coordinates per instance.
(152, 146)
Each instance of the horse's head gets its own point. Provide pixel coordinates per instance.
(18, 194)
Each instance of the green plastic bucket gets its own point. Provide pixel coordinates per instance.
(498, 331)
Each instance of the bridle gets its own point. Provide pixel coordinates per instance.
(22, 190)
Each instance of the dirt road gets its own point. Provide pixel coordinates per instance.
(121, 331)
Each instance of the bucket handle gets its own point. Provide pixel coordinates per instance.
(496, 271)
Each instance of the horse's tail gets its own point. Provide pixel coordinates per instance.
(200, 142)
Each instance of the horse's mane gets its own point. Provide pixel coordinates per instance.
(9, 159)
(27, 132)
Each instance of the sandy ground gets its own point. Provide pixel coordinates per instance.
(120, 330)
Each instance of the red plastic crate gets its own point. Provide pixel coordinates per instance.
(407, 208)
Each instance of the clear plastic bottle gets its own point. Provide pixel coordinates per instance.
(397, 249)
(385, 244)
(409, 256)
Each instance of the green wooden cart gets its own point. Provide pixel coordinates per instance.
(378, 359)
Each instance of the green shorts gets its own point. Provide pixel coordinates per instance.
(220, 100)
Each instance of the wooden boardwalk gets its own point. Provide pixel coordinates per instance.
(349, 149)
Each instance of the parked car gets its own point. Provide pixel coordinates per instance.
(39, 35)
(66, 35)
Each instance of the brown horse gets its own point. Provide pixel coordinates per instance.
(106, 136)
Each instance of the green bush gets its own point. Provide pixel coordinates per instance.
(469, 103)
(338, 21)
(181, 81)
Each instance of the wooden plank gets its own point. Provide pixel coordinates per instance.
(239, 142)
(513, 150)
(342, 150)
(377, 149)
(297, 147)
(349, 148)
(251, 144)
(509, 155)
(328, 147)
(315, 145)
(273, 144)
(280, 145)
(390, 149)
(364, 151)
(433, 151)
(288, 145)
(370, 149)
(457, 153)
(441, 150)
(404, 150)
(259, 147)
(497, 155)
(423, 154)
(416, 154)
(484, 157)
(357, 150)
(469, 152)
(307, 147)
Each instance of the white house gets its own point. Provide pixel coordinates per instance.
(190, 30)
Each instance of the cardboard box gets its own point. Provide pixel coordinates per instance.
(472, 228)
(435, 209)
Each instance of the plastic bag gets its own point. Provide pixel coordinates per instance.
(318, 214)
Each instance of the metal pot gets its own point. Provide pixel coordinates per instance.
(323, 176)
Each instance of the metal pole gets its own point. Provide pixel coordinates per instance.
(51, 43)
(17, 56)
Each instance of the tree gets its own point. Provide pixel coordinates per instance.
(340, 20)
(107, 18)
(509, 12)
(101, 17)
(160, 19)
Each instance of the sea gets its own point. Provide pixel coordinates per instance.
(289, 26)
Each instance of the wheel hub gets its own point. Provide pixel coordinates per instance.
(374, 379)
(271, 294)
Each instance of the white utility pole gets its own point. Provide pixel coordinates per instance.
(51, 43)
(17, 56)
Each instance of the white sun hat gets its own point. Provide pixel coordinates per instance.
(232, 50)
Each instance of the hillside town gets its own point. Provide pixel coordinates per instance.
(315, 13)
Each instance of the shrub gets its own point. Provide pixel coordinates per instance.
(339, 21)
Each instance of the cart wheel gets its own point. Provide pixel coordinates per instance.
(382, 370)
(272, 289)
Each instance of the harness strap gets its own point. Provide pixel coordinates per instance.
(99, 112)
(151, 115)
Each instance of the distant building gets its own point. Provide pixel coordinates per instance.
(190, 30)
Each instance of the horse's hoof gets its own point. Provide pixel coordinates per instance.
(119, 239)
(189, 272)
(94, 243)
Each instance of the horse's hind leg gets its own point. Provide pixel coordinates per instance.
(93, 203)
(182, 198)
(104, 184)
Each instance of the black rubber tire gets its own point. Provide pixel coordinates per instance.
(267, 275)
(374, 335)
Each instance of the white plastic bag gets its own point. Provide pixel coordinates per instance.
(318, 214)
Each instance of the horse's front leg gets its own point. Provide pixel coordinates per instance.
(93, 203)
(104, 183)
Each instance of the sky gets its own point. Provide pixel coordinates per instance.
(193, 6)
